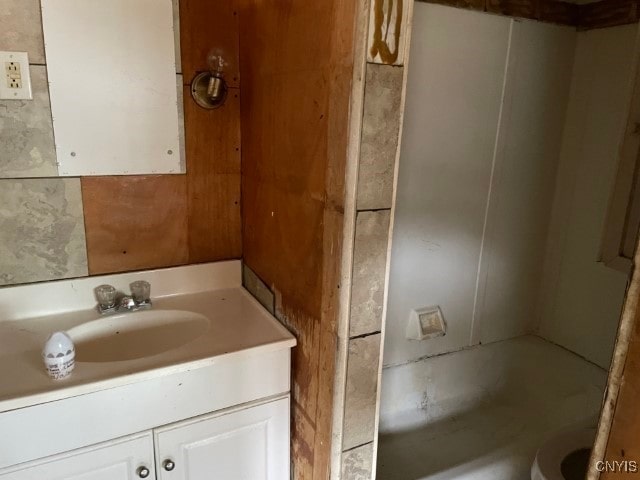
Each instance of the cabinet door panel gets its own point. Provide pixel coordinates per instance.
(116, 460)
(247, 444)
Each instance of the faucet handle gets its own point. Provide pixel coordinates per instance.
(141, 292)
(107, 297)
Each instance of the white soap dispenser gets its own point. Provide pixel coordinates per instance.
(59, 355)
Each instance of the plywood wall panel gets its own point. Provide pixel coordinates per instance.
(212, 137)
(214, 218)
(296, 68)
(206, 25)
(284, 196)
(169, 220)
(278, 212)
(135, 223)
(213, 179)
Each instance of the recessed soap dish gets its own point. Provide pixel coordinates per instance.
(425, 323)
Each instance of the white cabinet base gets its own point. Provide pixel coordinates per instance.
(116, 412)
(249, 442)
(246, 444)
(116, 460)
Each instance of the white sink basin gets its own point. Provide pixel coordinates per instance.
(136, 335)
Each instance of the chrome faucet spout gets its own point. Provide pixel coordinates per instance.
(127, 303)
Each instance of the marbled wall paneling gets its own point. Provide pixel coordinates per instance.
(357, 464)
(27, 147)
(21, 28)
(41, 230)
(380, 133)
(380, 130)
(256, 287)
(361, 391)
(369, 271)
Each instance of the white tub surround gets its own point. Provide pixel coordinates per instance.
(240, 362)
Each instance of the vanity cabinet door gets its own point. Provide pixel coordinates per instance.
(127, 458)
(244, 444)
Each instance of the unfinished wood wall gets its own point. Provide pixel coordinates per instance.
(624, 440)
(618, 441)
(585, 16)
(296, 61)
(149, 221)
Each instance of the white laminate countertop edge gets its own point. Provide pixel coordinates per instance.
(128, 379)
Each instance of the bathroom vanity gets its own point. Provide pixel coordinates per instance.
(196, 387)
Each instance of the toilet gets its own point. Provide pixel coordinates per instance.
(565, 456)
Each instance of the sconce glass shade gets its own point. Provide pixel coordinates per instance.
(209, 89)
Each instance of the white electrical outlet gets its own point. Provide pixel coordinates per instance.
(15, 83)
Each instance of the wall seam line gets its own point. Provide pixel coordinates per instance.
(476, 318)
(364, 335)
(358, 446)
(373, 210)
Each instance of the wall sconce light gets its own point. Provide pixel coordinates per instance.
(209, 89)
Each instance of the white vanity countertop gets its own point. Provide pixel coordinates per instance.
(239, 325)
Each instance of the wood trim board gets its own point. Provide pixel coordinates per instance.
(588, 16)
